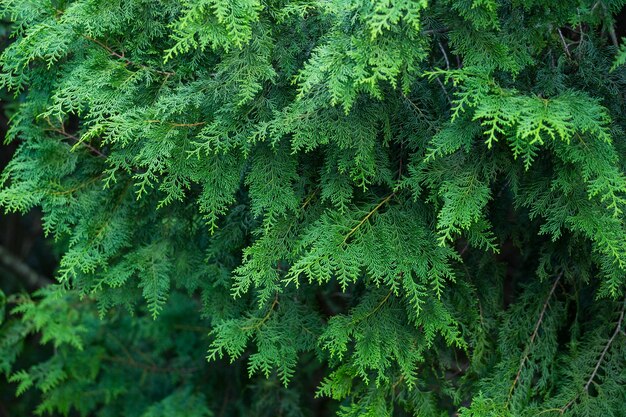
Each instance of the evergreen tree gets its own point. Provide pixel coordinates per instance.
(402, 207)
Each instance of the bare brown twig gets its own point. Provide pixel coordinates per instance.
(61, 130)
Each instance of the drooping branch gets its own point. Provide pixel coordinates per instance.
(618, 330)
(534, 335)
(618, 327)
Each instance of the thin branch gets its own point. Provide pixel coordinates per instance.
(89, 146)
(150, 368)
(419, 111)
(300, 214)
(308, 199)
(123, 57)
(97, 152)
(31, 277)
(225, 402)
(401, 157)
(612, 28)
(3, 411)
(130, 360)
(613, 37)
(506, 184)
(435, 31)
(582, 32)
(198, 329)
(445, 55)
(534, 335)
(415, 106)
(595, 5)
(618, 330)
(443, 87)
(395, 385)
(569, 55)
(78, 187)
(606, 348)
(465, 247)
(369, 314)
(264, 319)
(78, 141)
(374, 210)
(178, 124)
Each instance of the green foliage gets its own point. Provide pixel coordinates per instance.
(620, 59)
(399, 207)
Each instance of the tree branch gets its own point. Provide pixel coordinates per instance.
(569, 55)
(374, 210)
(607, 346)
(126, 60)
(534, 335)
(618, 330)
(31, 277)
(97, 152)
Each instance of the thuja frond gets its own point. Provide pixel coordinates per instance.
(409, 207)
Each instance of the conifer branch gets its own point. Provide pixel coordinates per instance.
(75, 139)
(178, 124)
(370, 214)
(77, 187)
(618, 327)
(420, 112)
(533, 336)
(300, 120)
(126, 60)
(375, 309)
(618, 330)
(265, 318)
(435, 31)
